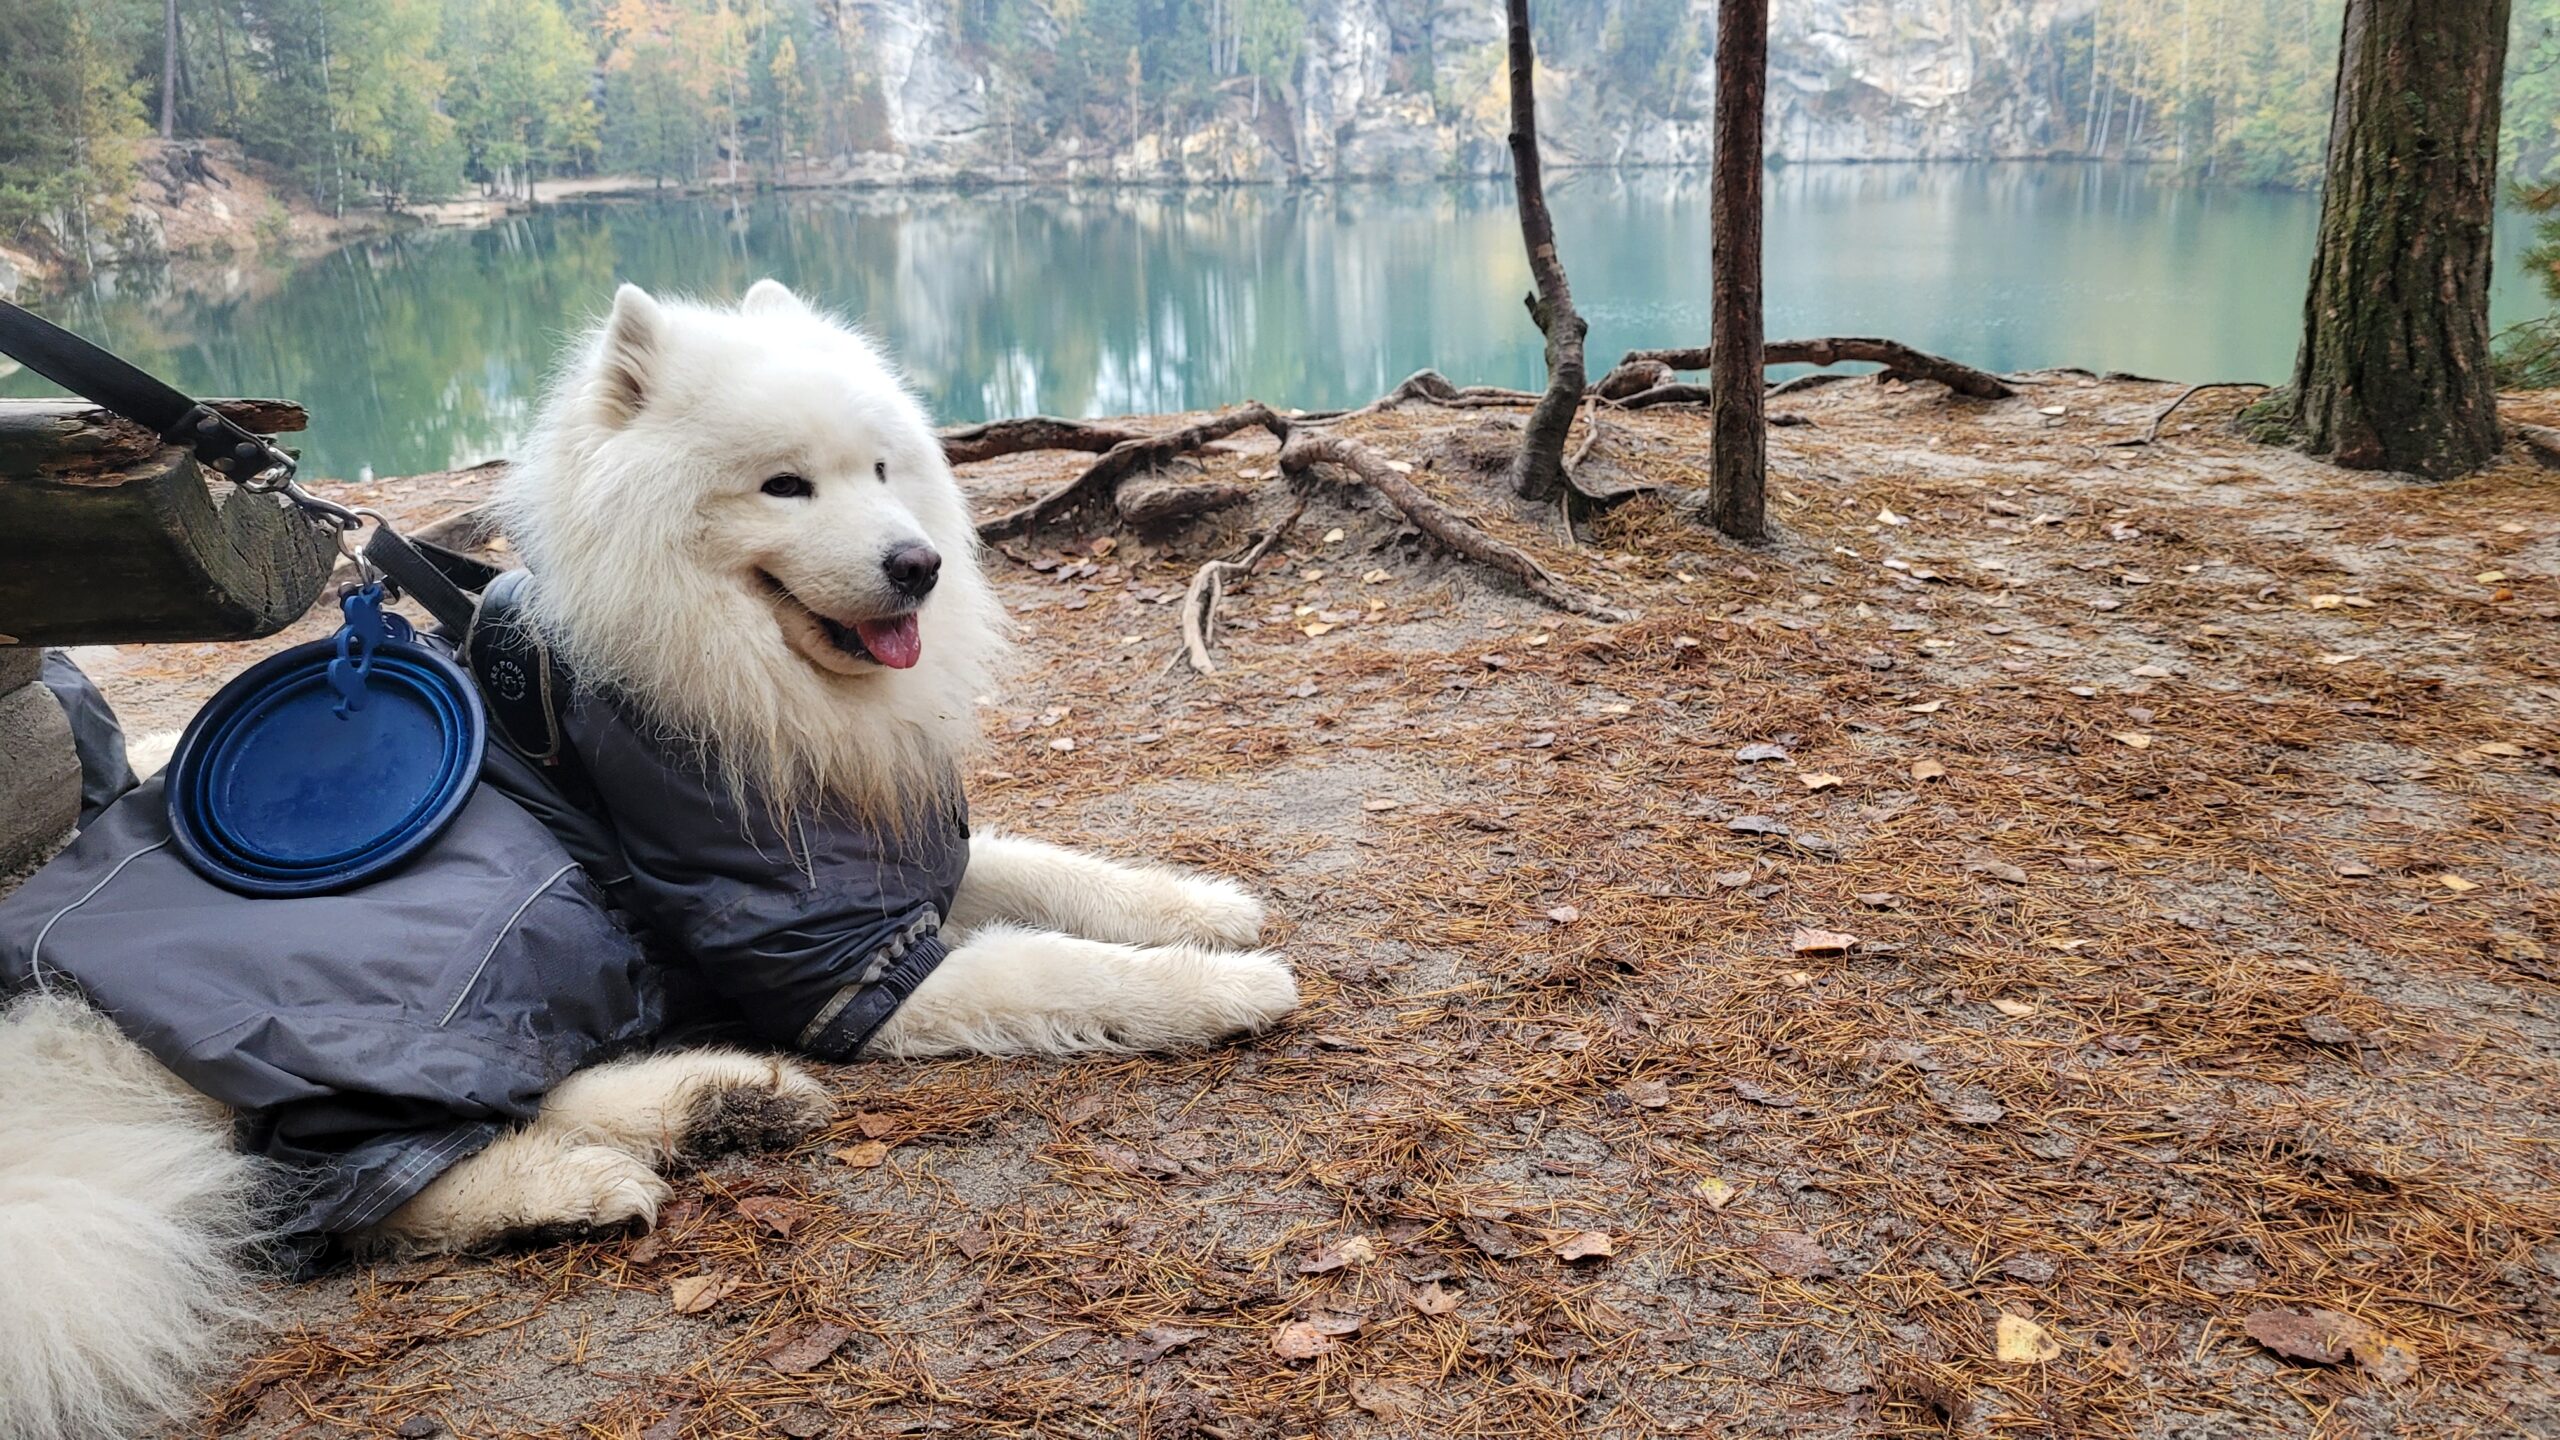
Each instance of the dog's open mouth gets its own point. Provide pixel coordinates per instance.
(844, 646)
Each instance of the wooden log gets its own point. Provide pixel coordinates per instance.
(108, 536)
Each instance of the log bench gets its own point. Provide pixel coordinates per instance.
(109, 537)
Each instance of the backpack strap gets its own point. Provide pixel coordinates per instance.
(525, 689)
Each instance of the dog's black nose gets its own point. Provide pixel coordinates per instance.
(913, 569)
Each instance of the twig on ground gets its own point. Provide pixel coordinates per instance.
(2152, 433)
(1209, 586)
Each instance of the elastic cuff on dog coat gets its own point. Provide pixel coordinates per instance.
(847, 1021)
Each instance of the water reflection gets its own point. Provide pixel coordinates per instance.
(424, 350)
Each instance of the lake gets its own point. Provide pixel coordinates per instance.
(424, 350)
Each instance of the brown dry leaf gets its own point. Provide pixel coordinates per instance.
(1314, 628)
(875, 1126)
(1432, 1298)
(1794, 1254)
(1926, 707)
(2327, 602)
(775, 1213)
(1717, 1193)
(1925, 771)
(1564, 914)
(1299, 1340)
(696, 1293)
(2456, 883)
(810, 1351)
(1647, 1094)
(1589, 1245)
(2134, 738)
(1823, 942)
(2351, 870)
(1818, 781)
(865, 1156)
(1352, 1250)
(1375, 806)
(2021, 1341)
(1493, 1237)
(2328, 1030)
(2502, 749)
(1157, 1341)
(1998, 870)
(1386, 1399)
(2014, 1009)
(1376, 577)
(2326, 1337)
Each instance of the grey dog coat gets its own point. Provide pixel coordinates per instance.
(371, 1039)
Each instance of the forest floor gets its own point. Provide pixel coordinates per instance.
(2059, 942)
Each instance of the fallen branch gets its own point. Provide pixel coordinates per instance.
(1302, 450)
(2152, 432)
(2540, 441)
(1895, 356)
(964, 444)
(1209, 586)
(1675, 393)
(1127, 458)
(1431, 388)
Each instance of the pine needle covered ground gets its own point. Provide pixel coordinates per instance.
(2061, 943)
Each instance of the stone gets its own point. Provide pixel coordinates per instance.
(39, 773)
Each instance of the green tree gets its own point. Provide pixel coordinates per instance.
(516, 90)
(70, 118)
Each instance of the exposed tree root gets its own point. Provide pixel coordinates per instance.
(1430, 387)
(1129, 457)
(2151, 433)
(1209, 586)
(1896, 357)
(1302, 450)
(967, 443)
(2542, 442)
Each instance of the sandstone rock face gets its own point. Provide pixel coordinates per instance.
(1411, 88)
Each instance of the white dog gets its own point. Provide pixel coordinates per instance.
(742, 517)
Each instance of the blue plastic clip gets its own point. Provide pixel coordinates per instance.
(365, 630)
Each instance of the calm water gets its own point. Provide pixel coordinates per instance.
(422, 351)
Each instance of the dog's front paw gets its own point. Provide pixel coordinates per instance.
(1207, 910)
(761, 1105)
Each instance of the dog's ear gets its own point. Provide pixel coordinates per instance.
(772, 297)
(628, 356)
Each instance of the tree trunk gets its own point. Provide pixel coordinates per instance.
(169, 71)
(2393, 373)
(1739, 455)
(1537, 472)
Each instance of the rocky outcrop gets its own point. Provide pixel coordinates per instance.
(1406, 88)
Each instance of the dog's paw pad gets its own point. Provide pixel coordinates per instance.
(588, 1189)
(769, 1111)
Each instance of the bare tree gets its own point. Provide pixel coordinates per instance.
(1537, 472)
(2393, 373)
(169, 70)
(1738, 470)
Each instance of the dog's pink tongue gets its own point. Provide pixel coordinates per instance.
(894, 643)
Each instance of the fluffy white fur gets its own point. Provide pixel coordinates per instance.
(124, 1229)
(656, 551)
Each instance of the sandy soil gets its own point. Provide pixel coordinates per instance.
(2182, 818)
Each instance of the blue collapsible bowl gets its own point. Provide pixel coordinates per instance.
(272, 792)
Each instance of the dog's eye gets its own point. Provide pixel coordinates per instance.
(789, 487)
(880, 468)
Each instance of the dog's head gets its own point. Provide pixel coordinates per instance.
(742, 519)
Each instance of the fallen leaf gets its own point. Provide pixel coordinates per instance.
(2022, 1341)
(1314, 628)
(1589, 1245)
(1491, 1237)
(1756, 825)
(1888, 517)
(2087, 864)
(1157, 1341)
(1330, 536)
(2502, 748)
(1925, 771)
(2134, 738)
(2327, 602)
(1998, 870)
(2014, 1009)
(1926, 707)
(1759, 1094)
(1386, 1399)
(1299, 1340)
(1432, 1298)
(1794, 1254)
(2052, 410)
(774, 1213)
(1754, 754)
(2326, 1337)
(865, 1156)
(696, 1293)
(1374, 806)
(1647, 1094)
(1823, 942)
(1818, 781)
(2351, 869)
(875, 1126)
(2327, 1030)
(1062, 744)
(1353, 1250)
(1717, 1193)
(2456, 883)
(1376, 577)
(1564, 914)
(810, 1351)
